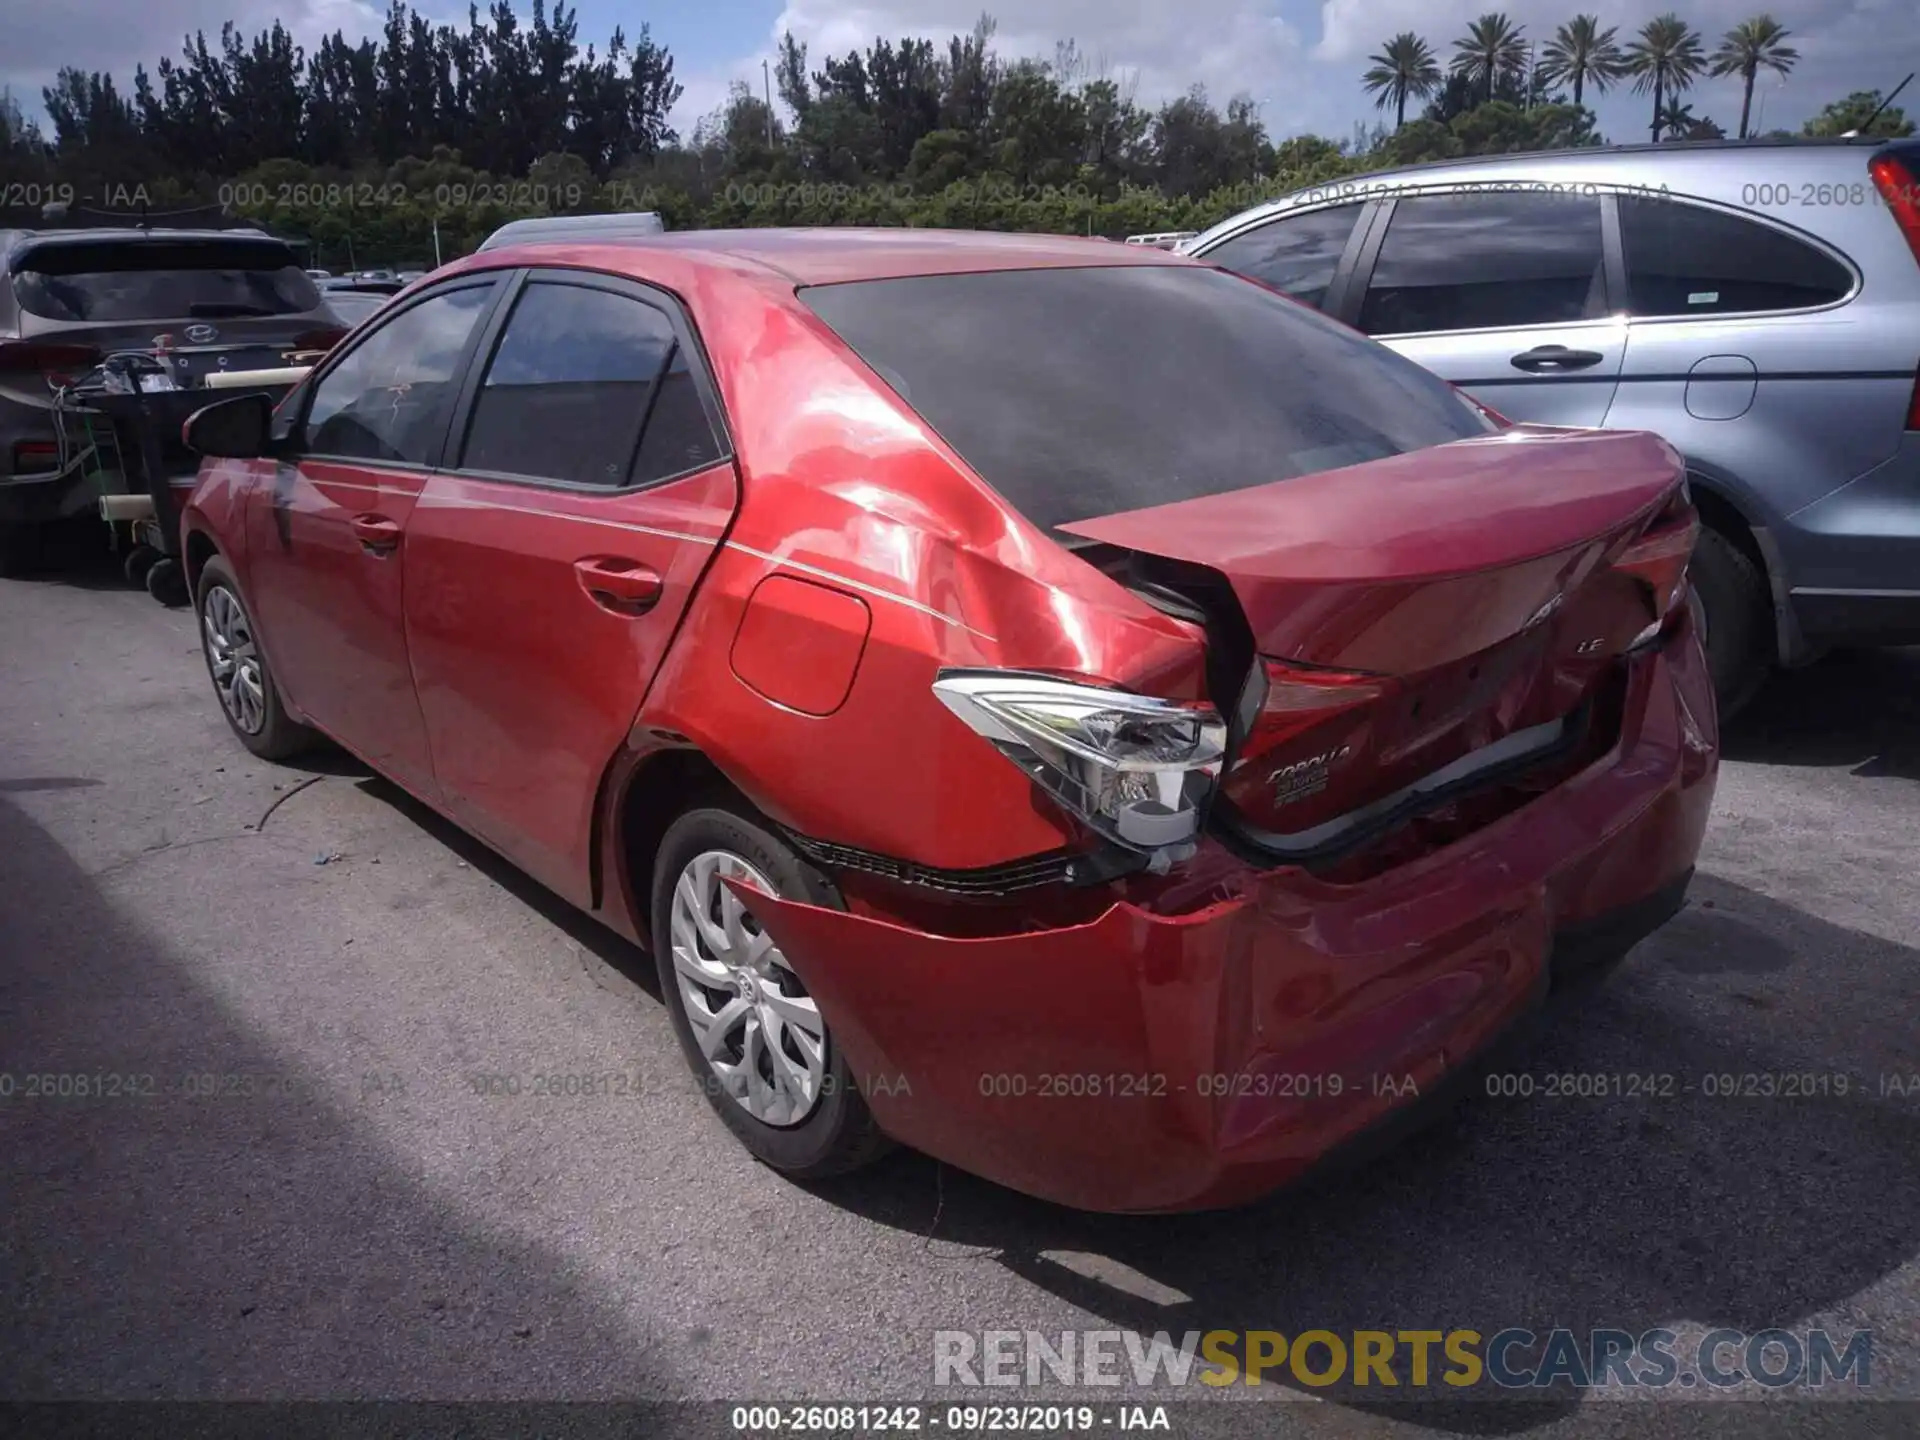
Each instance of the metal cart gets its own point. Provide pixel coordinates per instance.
(130, 411)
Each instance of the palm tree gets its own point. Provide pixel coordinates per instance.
(1404, 67)
(1748, 48)
(1492, 48)
(1666, 58)
(1581, 53)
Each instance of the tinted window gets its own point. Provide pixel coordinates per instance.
(569, 386)
(1297, 254)
(1486, 260)
(162, 280)
(387, 398)
(1688, 260)
(1087, 392)
(678, 437)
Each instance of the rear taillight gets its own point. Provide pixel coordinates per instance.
(324, 339)
(1138, 770)
(30, 456)
(1659, 560)
(1900, 189)
(58, 364)
(1298, 698)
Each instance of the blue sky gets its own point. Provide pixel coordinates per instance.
(1300, 59)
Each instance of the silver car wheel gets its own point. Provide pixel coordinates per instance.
(760, 1032)
(234, 659)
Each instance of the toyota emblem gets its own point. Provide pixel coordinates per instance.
(201, 334)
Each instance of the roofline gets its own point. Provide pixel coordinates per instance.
(1645, 147)
(672, 242)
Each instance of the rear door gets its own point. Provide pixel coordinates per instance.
(588, 482)
(1502, 291)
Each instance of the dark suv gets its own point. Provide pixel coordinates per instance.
(75, 290)
(1757, 304)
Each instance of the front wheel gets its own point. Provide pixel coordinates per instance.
(241, 678)
(755, 1038)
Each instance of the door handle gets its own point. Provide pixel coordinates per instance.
(376, 533)
(1553, 359)
(626, 587)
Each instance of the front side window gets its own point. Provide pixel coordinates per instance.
(1487, 260)
(578, 374)
(387, 398)
(1688, 260)
(1297, 254)
(1077, 393)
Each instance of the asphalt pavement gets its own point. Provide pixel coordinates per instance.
(311, 1182)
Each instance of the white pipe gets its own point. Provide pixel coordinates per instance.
(126, 507)
(240, 379)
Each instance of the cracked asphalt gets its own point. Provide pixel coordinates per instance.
(317, 1196)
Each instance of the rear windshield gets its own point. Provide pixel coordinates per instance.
(1079, 393)
(161, 280)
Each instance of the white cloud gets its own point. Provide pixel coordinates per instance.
(1303, 60)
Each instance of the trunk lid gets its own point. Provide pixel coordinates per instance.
(1395, 634)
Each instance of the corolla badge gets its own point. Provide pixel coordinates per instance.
(1306, 777)
(202, 334)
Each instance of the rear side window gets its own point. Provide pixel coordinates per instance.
(162, 280)
(1688, 260)
(578, 374)
(1487, 260)
(1080, 393)
(1297, 254)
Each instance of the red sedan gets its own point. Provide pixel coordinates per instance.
(1049, 703)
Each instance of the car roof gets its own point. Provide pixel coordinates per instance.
(833, 255)
(1709, 169)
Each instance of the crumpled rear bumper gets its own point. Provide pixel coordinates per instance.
(1147, 1062)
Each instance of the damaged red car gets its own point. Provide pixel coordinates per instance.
(1052, 704)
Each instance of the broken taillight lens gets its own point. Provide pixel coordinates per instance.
(1659, 560)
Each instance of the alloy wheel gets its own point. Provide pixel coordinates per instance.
(234, 659)
(759, 1031)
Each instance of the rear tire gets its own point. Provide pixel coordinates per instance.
(1738, 620)
(139, 561)
(166, 582)
(242, 681)
(807, 1136)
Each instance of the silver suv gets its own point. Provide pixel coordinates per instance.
(1756, 303)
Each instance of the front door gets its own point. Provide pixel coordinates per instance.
(587, 486)
(1503, 292)
(326, 539)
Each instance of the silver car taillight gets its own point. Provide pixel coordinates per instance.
(1139, 770)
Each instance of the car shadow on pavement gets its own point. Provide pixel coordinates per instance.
(1624, 1213)
(616, 952)
(175, 1238)
(1855, 708)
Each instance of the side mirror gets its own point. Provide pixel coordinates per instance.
(236, 429)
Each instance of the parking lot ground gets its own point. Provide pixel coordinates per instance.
(323, 1187)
